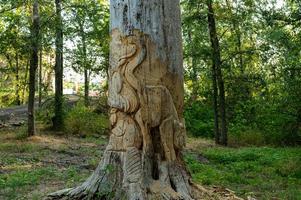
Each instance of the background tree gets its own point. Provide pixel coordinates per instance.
(58, 123)
(13, 43)
(217, 76)
(33, 67)
(88, 31)
(249, 33)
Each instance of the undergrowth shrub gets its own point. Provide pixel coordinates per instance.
(45, 113)
(7, 97)
(199, 119)
(83, 121)
(246, 138)
(102, 105)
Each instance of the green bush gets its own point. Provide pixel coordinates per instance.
(199, 119)
(45, 113)
(82, 121)
(7, 97)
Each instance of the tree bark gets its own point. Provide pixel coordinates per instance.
(33, 67)
(216, 58)
(143, 158)
(193, 74)
(18, 101)
(215, 105)
(24, 88)
(87, 84)
(40, 77)
(58, 118)
(86, 70)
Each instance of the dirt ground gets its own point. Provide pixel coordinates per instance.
(32, 167)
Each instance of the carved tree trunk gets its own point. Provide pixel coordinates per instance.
(143, 158)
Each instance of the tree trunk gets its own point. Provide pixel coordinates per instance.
(194, 79)
(33, 67)
(87, 83)
(18, 101)
(193, 74)
(40, 77)
(58, 118)
(143, 158)
(215, 105)
(86, 70)
(216, 58)
(25, 82)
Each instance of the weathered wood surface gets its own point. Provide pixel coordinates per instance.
(143, 158)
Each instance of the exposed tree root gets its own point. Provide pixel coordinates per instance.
(104, 183)
(107, 183)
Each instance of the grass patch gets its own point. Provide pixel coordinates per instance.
(262, 172)
(18, 183)
(18, 147)
(33, 167)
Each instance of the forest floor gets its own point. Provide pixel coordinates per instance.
(33, 167)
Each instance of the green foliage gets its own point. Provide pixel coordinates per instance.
(264, 173)
(45, 113)
(7, 98)
(260, 50)
(83, 121)
(88, 21)
(199, 119)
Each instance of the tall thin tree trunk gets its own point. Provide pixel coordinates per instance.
(143, 158)
(33, 67)
(194, 92)
(86, 70)
(216, 58)
(25, 82)
(87, 83)
(58, 118)
(195, 83)
(40, 77)
(18, 101)
(215, 106)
